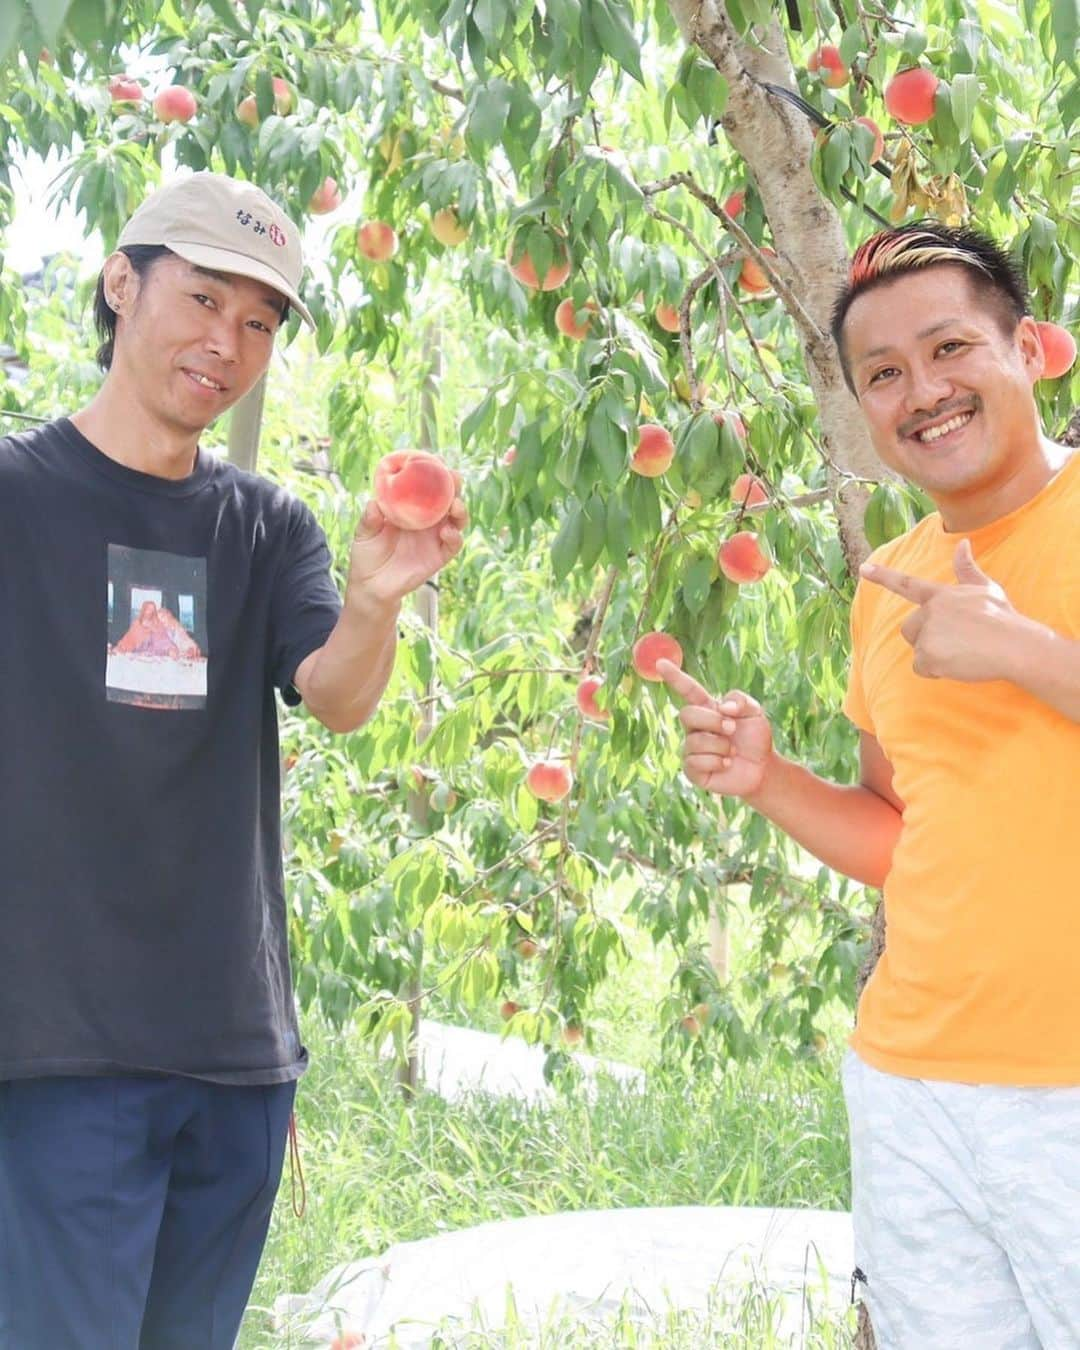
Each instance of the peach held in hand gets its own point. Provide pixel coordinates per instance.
(414, 489)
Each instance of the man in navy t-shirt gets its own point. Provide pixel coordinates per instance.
(153, 599)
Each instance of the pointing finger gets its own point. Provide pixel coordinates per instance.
(685, 685)
(916, 589)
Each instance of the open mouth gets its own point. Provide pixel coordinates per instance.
(204, 382)
(945, 432)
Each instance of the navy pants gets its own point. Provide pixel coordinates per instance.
(134, 1210)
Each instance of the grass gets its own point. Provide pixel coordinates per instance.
(379, 1171)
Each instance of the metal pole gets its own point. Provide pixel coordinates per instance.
(245, 425)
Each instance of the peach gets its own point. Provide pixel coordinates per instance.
(667, 316)
(414, 489)
(586, 699)
(572, 1034)
(510, 456)
(349, 1340)
(525, 270)
(827, 61)
(655, 647)
(175, 104)
(909, 96)
(752, 277)
(509, 1008)
(1059, 349)
(879, 140)
(748, 491)
(734, 203)
(247, 111)
(377, 240)
(742, 559)
(283, 96)
(447, 229)
(565, 322)
(691, 1025)
(526, 948)
(549, 779)
(325, 198)
(655, 450)
(125, 89)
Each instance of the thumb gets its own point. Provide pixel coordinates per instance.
(371, 521)
(965, 566)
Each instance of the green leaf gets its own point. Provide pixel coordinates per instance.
(1065, 22)
(608, 442)
(10, 20)
(592, 544)
(567, 545)
(618, 531)
(836, 157)
(697, 583)
(965, 95)
(615, 33)
(49, 16)
(87, 21)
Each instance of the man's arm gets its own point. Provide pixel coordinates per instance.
(341, 683)
(1047, 665)
(853, 830)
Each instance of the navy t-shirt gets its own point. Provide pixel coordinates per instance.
(145, 624)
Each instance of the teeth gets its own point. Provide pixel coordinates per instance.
(936, 433)
(203, 380)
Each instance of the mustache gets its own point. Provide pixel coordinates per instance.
(949, 410)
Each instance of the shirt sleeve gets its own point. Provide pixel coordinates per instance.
(305, 605)
(854, 704)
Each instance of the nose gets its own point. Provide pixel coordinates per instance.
(926, 388)
(223, 341)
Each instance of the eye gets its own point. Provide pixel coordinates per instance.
(952, 342)
(201, 298)
(259, 324)
(883, 371)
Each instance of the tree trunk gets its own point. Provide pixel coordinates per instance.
(775, 141)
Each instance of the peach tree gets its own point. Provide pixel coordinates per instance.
(586, 249)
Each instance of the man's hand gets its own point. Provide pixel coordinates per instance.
(958, 632)
(387, 563)
(728, 741)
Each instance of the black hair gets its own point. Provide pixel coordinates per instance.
(142, 258)
(926, 243)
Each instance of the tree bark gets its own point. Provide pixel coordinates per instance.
(776, 142)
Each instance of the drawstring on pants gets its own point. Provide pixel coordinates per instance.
(294, 1154)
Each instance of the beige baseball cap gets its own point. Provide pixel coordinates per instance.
(220, 222)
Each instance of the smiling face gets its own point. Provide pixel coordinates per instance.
(927, 351)
(180, 322)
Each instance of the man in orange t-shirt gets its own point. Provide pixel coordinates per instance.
(962, 1078)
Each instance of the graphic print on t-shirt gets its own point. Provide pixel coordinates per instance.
(156, 638)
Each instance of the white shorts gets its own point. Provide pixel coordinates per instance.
(965, 1211)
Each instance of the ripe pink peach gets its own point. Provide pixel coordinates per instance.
(414, 488)
(742, 559)
(377, 240)
(654, 452)
(175, 104)
(549, 779)
(654, 647)
(667, 316)
(586, 699)
(748, 491)
(1059, 349)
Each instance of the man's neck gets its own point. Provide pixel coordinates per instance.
(121, 427)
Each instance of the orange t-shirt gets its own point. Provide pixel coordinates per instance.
(980, 978)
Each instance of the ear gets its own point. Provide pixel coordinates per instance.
(1030, 346)
(121, 283)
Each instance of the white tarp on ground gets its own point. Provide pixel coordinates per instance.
(455, 1061)
(585, 1265)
